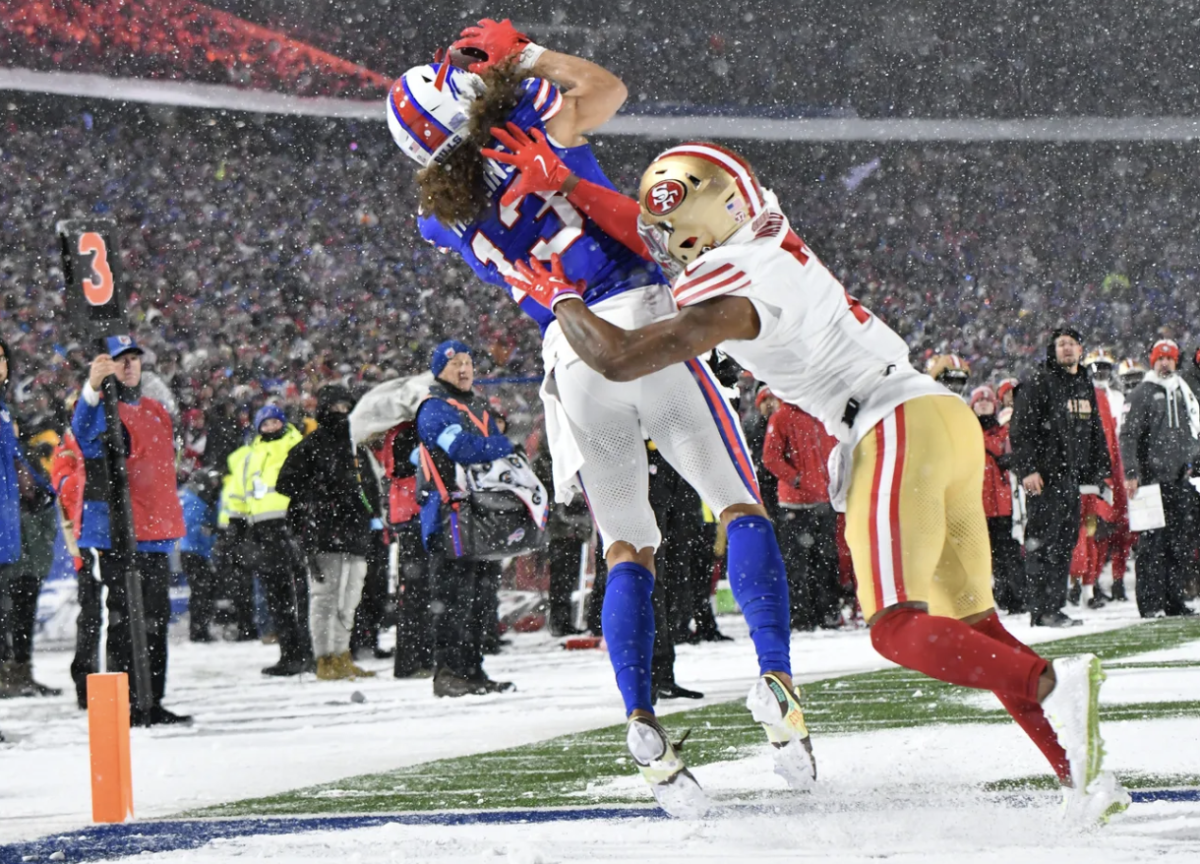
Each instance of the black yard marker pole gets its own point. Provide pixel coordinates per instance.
(95, 306)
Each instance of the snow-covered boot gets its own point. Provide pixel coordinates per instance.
(346, 663)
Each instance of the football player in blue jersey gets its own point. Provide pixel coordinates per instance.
(441, 115)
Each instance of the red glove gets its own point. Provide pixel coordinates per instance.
(547, 287)
(490, 43)
(540, 168)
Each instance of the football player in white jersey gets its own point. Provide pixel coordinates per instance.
(912, 455)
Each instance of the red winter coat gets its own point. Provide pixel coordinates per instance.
(1120, 505)
(402, 483)
(796, 450)
(997, 494)
(67, 475)
(150, 466)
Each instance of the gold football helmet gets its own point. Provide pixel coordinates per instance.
(951, 371)
(1131, 372)
(1100, 355)
(694, 197)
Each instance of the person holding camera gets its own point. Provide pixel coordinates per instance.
(454, 430)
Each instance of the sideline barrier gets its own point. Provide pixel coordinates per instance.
(108, 741)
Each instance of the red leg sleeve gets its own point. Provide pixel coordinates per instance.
(952, 651)
(1027, 713)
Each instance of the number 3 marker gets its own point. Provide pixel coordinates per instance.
(96, 292)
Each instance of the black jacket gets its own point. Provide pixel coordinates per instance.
(1056, 429)
(333, 499)
(1156, 441)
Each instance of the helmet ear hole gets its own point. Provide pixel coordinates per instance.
(696, 181)
(688, 243)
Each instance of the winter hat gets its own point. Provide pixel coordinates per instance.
(1064, 330)
(1164, 348)
(443, 352)
(1006, 387)
(122, 344)
(764, 392)
(269, 411)
(982, 393)
(330, 395)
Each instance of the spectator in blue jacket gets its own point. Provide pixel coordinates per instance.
(454, 429)
(10, 494)
(198, 497)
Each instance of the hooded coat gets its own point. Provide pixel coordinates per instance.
(1056, 429)
(333, 496)
(1157, 444)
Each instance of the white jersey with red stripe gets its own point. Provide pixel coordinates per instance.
(818, 347)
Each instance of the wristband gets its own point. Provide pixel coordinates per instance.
(565, 294)
(529, 56)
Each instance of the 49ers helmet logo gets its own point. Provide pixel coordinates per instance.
(665, 196)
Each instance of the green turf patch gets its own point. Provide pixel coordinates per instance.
(568, 770)
(1134, 780)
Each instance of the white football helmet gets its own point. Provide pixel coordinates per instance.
(429, 110)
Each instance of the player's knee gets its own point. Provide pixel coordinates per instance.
(621, 552)
(736, 511)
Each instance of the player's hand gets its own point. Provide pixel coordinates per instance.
(540, 168)
(1131, 487)
(547, 287)
(490, 42)
(1033, 483)
(102, 367)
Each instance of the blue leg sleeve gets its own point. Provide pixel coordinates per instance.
(628, 622)
(759, 582)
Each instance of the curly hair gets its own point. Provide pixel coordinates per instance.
(454, 191)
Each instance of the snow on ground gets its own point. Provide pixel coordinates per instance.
(937, 830)
(255, 736)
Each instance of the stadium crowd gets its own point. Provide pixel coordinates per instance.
(925, 58)
(272, 255)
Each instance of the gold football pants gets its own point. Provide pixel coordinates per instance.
(914, 513)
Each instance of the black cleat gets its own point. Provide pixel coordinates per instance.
(1055, 619)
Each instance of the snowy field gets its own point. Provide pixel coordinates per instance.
(913, 793)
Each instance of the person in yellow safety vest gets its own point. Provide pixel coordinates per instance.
(271, 551)
(233, 531)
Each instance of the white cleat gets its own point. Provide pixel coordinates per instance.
(1104, 798)
(782, 718)
(1073, 709)
(658, 760)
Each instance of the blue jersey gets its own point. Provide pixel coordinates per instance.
(536, 227)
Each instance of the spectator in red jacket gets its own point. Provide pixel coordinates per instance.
(795, 450)
(414, 627)
(1008, 569)
(67, 477)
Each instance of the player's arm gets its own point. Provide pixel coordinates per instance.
(542, 171)
(625, 355)
(591, 94)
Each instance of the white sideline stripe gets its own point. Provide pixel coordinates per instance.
(219, 96)
(883, 513)
(189, 94)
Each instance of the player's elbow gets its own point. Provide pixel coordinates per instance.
(615, 367)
